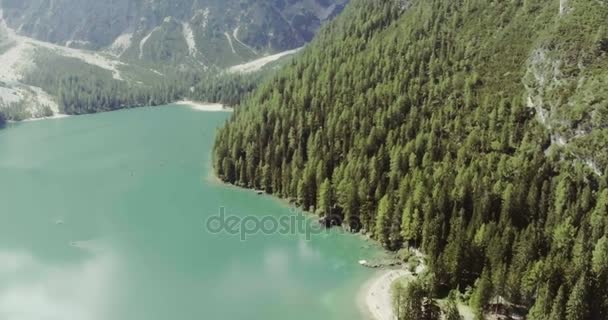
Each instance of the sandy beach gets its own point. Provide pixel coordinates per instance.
(202, 106)
(375, 298)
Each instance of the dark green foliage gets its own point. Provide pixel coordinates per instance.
(413, 302)
(82, 88)
(481, 296)
(558, 311)
(407, 300)
(228, 89)
(577, 307)
(451, 309)
(418, 119)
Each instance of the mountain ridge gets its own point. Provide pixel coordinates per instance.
(131, 29)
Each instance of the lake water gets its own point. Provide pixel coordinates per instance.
(104, 217)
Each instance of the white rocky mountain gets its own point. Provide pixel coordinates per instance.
(138, 41)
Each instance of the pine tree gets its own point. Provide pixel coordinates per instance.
(480, 298)
(558, 311)
(599, 263)
(381, 229)
(577, 307)
(325, 198)
(409, 301)
(451, 309)
(542, 306)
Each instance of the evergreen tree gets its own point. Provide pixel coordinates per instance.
(451, 309)
(480, 298)
(409, 301)
(416, 119)
(325, 200)
(558, 311)
(577, 307)
(383, 219)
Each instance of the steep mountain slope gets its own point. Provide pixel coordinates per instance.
(80, 56)
(24, 96)
(210, 32)
(473, 129)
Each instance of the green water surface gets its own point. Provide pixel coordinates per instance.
(103, 218)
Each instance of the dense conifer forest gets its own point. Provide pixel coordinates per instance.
(88, 90)
(432, 124)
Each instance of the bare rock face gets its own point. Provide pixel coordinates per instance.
(211, 32)
(566, 85)
(140, 42)
(563, 7)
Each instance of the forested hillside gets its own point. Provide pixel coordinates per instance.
(472, 129)
(85, 89)
(82, 56)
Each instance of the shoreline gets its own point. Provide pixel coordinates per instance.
(53, 117)
(375, 299)
(204, 106)
(194, 105)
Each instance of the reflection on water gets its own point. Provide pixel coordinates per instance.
(33, 289)
(142, 195)
(307, 252)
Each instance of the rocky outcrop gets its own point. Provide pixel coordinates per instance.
(567, 89)
(543, 76)
(563, 7)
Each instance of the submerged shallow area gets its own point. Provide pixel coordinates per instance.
(105, 217)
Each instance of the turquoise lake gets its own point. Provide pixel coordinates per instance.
(104, 217)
